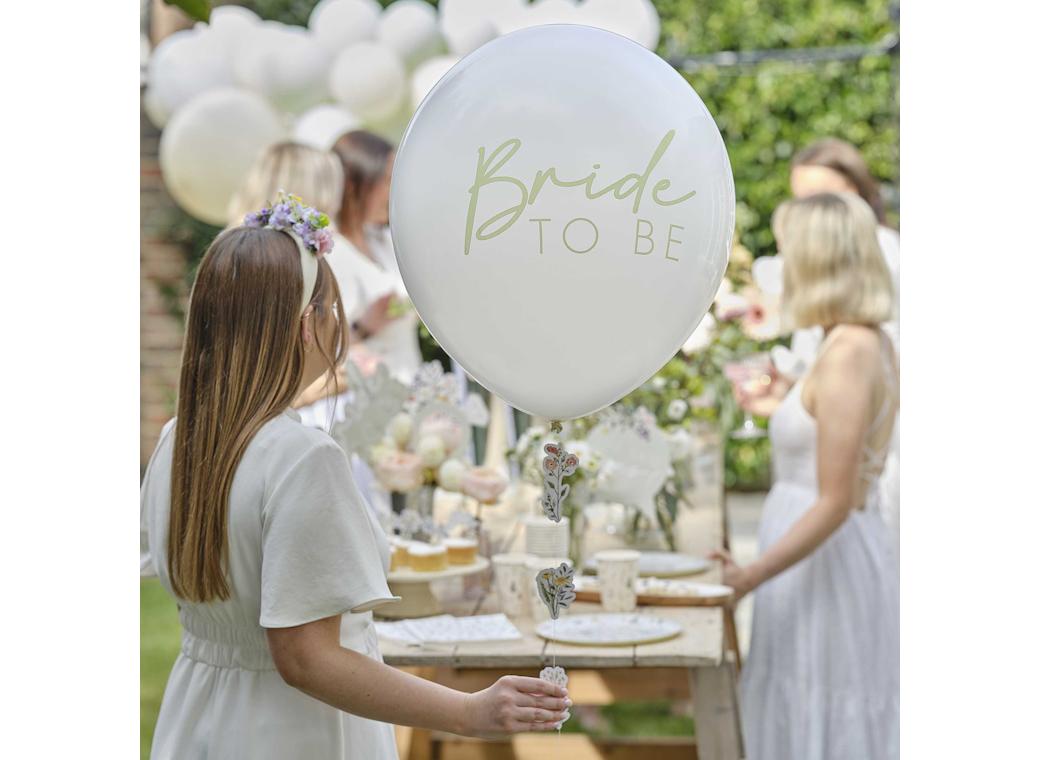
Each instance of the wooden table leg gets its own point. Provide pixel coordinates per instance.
(729, 624)
(716, 713)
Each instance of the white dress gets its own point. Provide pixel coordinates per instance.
(302, 547)
(822, 675)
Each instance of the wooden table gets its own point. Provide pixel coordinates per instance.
(693, 665)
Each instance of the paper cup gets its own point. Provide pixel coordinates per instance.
(617, 570)
(512, 583)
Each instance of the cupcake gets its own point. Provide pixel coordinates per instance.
(398, 553)
(461, 551)
(425, 558)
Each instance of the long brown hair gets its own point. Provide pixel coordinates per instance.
(242, 366)
(364, 157)
(842, 157)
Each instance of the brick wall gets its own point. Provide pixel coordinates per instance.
(162, 266)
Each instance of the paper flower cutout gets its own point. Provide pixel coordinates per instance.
(556, 588)
(557, 465)
(554, 674)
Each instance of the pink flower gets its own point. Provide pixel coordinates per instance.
(400, 471)
(323, 238)
(451, 433)
(485, 484)
(761, 320)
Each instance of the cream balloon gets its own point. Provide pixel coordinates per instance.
(428, 74)
(338, 24)
(369, 80)
(209, 145)
(563, 242)
(322, 125)
(184, 65)
(409, 28)
(465, 37)
(230, 26)
(285, 65)
(459, 16)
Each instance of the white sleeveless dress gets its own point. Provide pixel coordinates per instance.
(302, 547)
(822, 675)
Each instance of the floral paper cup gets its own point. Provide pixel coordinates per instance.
(617, 570)
(512, 583)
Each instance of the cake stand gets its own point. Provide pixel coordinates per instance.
(417, 600)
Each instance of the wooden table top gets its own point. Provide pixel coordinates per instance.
(699, 644)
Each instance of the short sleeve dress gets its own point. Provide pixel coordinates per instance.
(302, 547)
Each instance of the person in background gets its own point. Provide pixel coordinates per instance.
(822, 674)
(253, 523)
(318, 176)
(378, 309)
(833, 165)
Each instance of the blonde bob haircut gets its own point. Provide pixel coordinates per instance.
(834, 271)
(314, 175)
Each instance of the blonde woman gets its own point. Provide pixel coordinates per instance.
(255, 526)
(822, 676)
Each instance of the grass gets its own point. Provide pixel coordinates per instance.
(160, 642)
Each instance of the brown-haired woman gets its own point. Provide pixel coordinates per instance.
(254, 524)
(365, 266)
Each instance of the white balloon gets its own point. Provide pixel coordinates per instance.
(230, 26)
(285, 65)
(428, 74)
(369, 79)
(153, 109)
(563, 242)
(457, 16)
(552, 12)
(322, 125)
(338, 24)
(465, 37)
(409, 28)
(209, 146)
(184, 65)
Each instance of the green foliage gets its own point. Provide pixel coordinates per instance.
(160, 642)
(292, 11)
(769, 111)
(197, 9)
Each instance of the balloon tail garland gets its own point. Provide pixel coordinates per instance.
(556, 584)
(557, 464)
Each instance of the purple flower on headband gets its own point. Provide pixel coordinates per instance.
(290, 215)
(281, 217)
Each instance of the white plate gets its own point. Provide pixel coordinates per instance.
(610, 629)
(663, 564)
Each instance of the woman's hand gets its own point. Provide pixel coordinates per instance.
(514, 704)
(377, 316)
(740, 579)
(766, 398)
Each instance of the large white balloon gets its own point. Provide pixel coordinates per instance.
(409, 28)
(183, 66)
(369, 80)
(562, 243)
(322, 125)
(285, 65)
(338, 24)
(209, 146)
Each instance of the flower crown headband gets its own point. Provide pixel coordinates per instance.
(307, 226)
